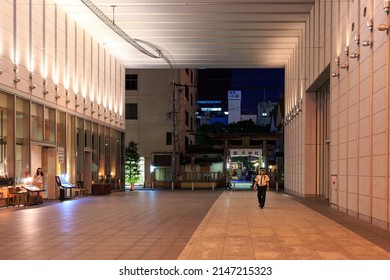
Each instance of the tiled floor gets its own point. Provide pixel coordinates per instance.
(184, 224)
(236, 228)
(126, 225)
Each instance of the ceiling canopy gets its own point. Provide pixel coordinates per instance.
(194, 34)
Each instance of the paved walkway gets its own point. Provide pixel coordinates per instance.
(236, 228)
(184, 224)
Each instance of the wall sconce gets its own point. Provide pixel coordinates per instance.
(344, 66)
(357, 39)
(56, 87)
(105, 116)
(122, 123)
(386, 7)
(354, 55)
(31, 75)
(46, 91)
(100, 113)
(369, 25)
(337, 60)
(86, 108)
(17, 80)
(384, 27)
(33, 86)
(67, 100)
(67, 92)
(1, 71)
(367, 43)
(335, 74)
(16, 69)
(346, 50)
(44, 82)
(58, 96)
(77, 105)
(93, 111)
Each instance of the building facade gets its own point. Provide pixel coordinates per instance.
(61, 100)
(337, 109)
(264, 112)
(160, 113)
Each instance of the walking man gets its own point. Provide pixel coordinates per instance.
(261, 184)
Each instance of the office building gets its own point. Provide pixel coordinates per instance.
(160, 107)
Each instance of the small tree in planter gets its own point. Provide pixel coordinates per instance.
(132, 171)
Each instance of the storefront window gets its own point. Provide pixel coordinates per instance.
(22, 155)
(113, 154)
(61, 142)
(6, 136)
(107, 154)
(102, 151)
(50, 125)
(71, 148)
(87, 134)
(95, 154)
(36, 122)
(80, 143)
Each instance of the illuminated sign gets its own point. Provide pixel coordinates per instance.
(211, 109)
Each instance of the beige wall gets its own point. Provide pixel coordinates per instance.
(359, 114)
(42, 46)
(154, 98)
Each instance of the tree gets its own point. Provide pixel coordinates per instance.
(132, 158)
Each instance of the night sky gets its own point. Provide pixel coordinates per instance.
(256, 85)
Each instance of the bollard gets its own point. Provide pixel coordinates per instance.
(192, 185)
(277, 186)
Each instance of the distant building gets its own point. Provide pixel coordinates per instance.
(264, 110)
(234, 106)
(149, 119)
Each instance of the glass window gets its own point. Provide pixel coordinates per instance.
(187, 92)
(131, 82)
(95, 153)
(50, 125)
(6, 133)
(80, 149)
(87, 134)
(22, 159)
(61, 142)
(131, 112)
(37, 121)
(168, 140)
(71, 147)
(187, 118)
(107, 155)
(102, 150)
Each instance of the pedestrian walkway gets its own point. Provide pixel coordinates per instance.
(236, 228)
(185, 224)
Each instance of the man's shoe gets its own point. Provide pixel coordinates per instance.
(261, 207)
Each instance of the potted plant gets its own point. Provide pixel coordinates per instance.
(132, 172)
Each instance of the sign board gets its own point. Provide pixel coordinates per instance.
(61, 154)
(245, 152)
